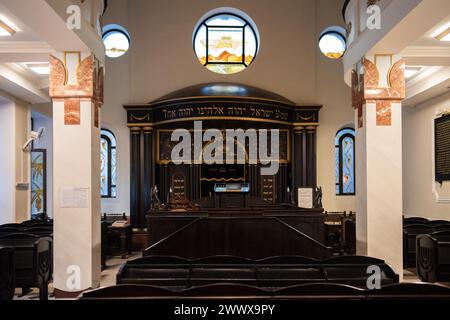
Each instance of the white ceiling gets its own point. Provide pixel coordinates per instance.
(428, 39)
(434, 55)
(23, 33)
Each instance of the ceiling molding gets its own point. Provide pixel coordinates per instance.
(430, 83)
(25, 47)
(20, 86)
(426, 51)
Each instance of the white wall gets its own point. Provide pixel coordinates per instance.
(337, 111)
(113, 116)
(7, 203)
(161, 60)
(46, 142)
(14, 163)
(422, 196)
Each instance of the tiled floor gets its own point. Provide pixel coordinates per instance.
(108, 277)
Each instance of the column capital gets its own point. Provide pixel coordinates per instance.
(76, 75)
(135, 130)
(379, 79)
(147, 129)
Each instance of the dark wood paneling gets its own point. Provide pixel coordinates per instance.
(309, 221)
(248, 237)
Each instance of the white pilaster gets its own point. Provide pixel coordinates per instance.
(378, 89)
(74, 87)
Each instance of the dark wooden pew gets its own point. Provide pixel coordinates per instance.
(32, 260)
(35, 222)
(410, 232)
(415, 220)
(433, 256)
(6, 273)
(321, 291)
(410, 291)
(435, 223)
(353, 270)
(39, 231)
(273, 272)
(104, 242)
(313, 291)
(12, 225)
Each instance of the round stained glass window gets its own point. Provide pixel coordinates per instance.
(116, 40)
(226, 43)
(332, 43)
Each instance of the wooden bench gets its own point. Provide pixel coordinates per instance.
(415, 220)
(410, 232)
(6, 273)
(32, 261)
(433, 256)
(312, 291)
(273, 272)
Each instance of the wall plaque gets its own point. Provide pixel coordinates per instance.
(305, 197)
(442, 148)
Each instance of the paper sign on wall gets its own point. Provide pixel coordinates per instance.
(305, 198)
(74, 198)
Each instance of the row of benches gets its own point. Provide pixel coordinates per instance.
(27, 251)
(274, 272)
(312, 291)
(412, 227)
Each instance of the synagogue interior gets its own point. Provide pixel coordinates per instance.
(223, 149)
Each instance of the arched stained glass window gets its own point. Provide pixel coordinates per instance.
(225, 43)
(345, 162)
(108, 164)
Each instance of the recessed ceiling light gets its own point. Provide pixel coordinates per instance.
(6, 30)
(39, 68)
(411, 71)
(444, 36)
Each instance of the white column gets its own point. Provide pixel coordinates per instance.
(378, 118)
(76, 172)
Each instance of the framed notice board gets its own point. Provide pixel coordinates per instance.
(442, 148)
